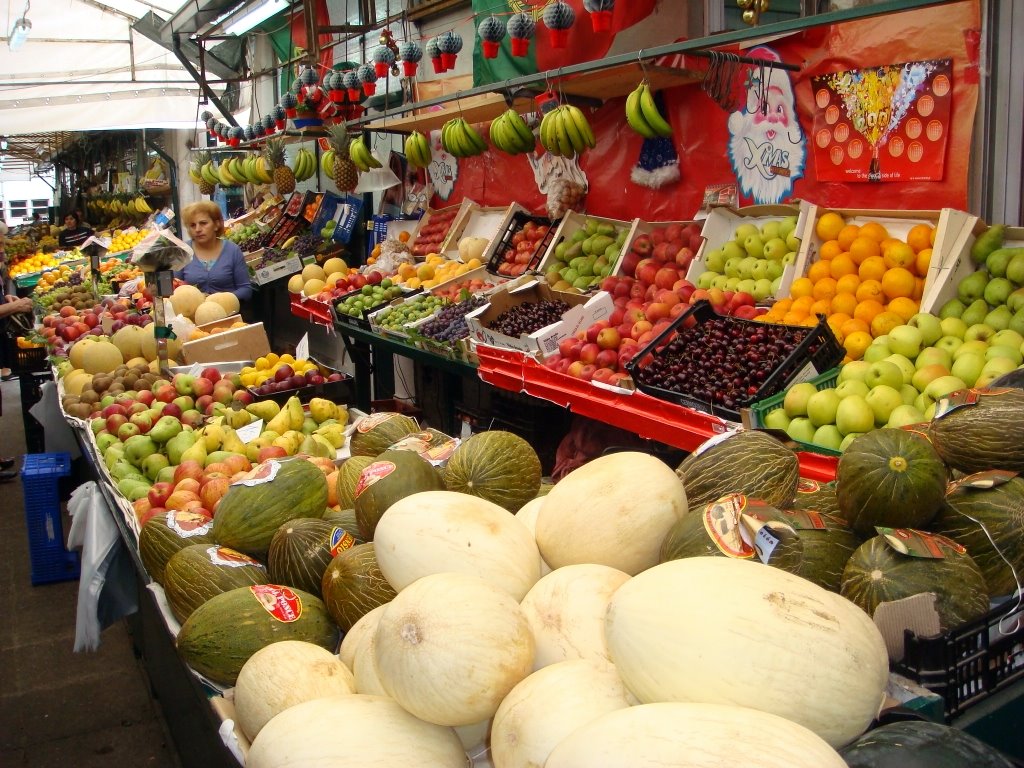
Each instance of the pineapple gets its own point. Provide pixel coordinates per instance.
(201, 159)
(344, 173)
(284, 177)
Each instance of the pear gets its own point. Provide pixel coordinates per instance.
(264, 409)
(322, 409)
(180, 443)
(236, 419)
(999, 318)
(195, 453)
(975, 312)
(972, 287)
(232, 442)
(296, 416)
(213, 436)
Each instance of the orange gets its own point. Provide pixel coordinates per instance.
(837, 320)
(872, 268)
(918, 288)
(841, 266)
(898, 282)
(818, 270)
(793, 318)
(847, 235)
(874, 230)
(782, 305)
(898, 255)
(862, 248)
(847, 284)
(803, 304)
(870, 289)
(802, 286)
(844, 303)
(828, 226)
(824, 289)
(853, 325)
(920, 237)
(810, 321)
(867, 310)
(904, 307)
(830, 250)
(931, 236)
(922, 262)
(884, 322)
(856, 344)
(821, 307)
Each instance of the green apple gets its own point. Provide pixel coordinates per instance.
(732, 266)
(906, 367)
(944, 385)
(787, 226)
(975, 313)
(801, 429)
(968, 368)
(733, 250)
(731, 283)
(923, 402)
(1017, 322)
(746, 267)
(793, 242)
(934, 356)
(747, 286)
(789, 258)
(1008, 338)
(849, 439)
(775, 269)
(822, 406)
(906, 340)
(762, 289)
(715, 261)
(855, 370)
(776, 284)
(760, 269)
(904, 416)
(997, 366)
(952, 308)
(1010, 353)
(953, 326)
(775, 249)
(743, 231)
(854, 415)
(883, 400)
(998, 291)
(929, 413)
(929, 325)
(795, 402)
(884, 373)
(909, 394)
(828, 436)
(705, 280)
(928, 374)
(949, 344)
(754, 246)
(770, 230)
(850, 388)
(877, 350)
(969, 347)
(777, 419)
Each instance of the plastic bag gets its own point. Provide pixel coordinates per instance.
(565, 195)
(562, 180)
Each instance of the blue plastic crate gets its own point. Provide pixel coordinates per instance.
(40, 477)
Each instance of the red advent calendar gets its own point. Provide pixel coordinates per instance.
(886, 123)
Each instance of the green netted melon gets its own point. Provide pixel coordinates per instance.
(977, 518)
(163, 535)
(222, 633)
(987, 435)
(892, 478)
(353, 585)
(877, 573)
(498, 466)
(302, 549)
(828, 544)
(201, 571)
(249, 516)
(392, 476)
(920, 744)
(348, 476)
(749, 462)
(346, 518)
(377, 431)
(432, 444)
(820, 497)
(691, 535)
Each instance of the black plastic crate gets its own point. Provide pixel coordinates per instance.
(504, 238)
(363, 321)
(40, 478)
(342, 392)
(967, 665)
(818, 349)
(25, 360)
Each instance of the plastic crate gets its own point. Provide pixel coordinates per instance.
(25, 360)
(817, 351)
(502, 242)
(342, 391)
(760, 409)
(40, 476)
(967, 665)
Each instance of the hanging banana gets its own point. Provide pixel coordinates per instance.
(361, 155)
(417, 150)
(510, 133)
(461, 139)
(565, 131)
(643, 116)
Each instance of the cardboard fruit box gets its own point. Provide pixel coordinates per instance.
(246, 342)
(583, 312)
(954, 263)
(435, 227)
(476, 221)
(574, 243)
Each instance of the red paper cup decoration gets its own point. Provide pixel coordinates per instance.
(600, 13)
(491, 31)
(434, 54)
(235, 136)
(410, 53)
(308, 83)
(280, 117)
(558, 18)
(368, 78)
(269, 125)
(335, 87)
(521, 28)
(211, 126)
(383, 58)
(449, 44)
(290, 104)
(352, 85)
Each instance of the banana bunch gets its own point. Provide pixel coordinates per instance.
(208, 173)
(564, 131)
(642, 114)
(460, 139)
(305, 165)
(510, 133)
(327, 163)
(361, 155)
(417, 150)
(139, 206)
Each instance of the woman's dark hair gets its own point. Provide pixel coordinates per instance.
(76, 216)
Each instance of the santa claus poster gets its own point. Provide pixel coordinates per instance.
(886, 123)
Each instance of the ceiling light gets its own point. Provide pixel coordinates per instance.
(20, 30)
(255, 15)
(3, 144)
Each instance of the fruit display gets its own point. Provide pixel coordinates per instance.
(126, 240)
(32, 264)
(565, 132)
(449, 325)
(240, 233)
(431, 234)
(455, 289)
(277, 369)
(530, 316)
(994, 294)
(117, 210)
(662, 243)
(753, 260)
(582, 259)
(368, 297)
(522, 247)
(70, 298)
(433, 271)
(417, 308)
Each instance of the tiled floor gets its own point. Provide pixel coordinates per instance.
(57, 707)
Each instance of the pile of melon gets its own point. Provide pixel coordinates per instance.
(315, 278)
(191, 303)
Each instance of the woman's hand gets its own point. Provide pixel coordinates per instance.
(21, 305)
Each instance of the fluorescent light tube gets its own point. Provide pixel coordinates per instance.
(19, 33)
(254, 16)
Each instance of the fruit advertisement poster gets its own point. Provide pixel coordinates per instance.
(886, 123)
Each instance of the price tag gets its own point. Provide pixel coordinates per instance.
(302, 348)
(765, 543)
(914, 543)
(195, 370)
(250, 431)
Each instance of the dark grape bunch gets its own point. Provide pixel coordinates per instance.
(721, 361)
(306, 245)
(450, 323)
(254, 242)
(271, 256)
(528, 317)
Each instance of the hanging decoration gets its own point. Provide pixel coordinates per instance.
(434, 54)
(248, 133)
(290, 104)
(258, 130)
(410, 53)
(279, 117)
(211, 126)
(491, 31)
(387, 40)
(335, 86)
(449, 43)
(235, 136)
(352, 85)
(600, 14)
(368, 78)
(521, 29)
(383, 58)
(559, 18)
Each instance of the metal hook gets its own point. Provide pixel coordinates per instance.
(767, 88)
(640, 61)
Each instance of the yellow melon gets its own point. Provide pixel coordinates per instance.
(78, 349)
(295, 283)
(185, 300)
(335, 264)
(154, 366)
(226, 299)
(76, 381)
(149, 344)
(101, 357)
(129, 340)
(313, 272)
(137, 362)
(209, 312)
(312, 287)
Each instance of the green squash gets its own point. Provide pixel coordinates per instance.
(302, 549)
(201, 571)
(164, 535)
(392, 476)
(498, 466)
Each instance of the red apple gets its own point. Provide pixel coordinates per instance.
(566, 345)
(145, 396)
(604, 375)
(666, 277)
(622, 287)
(270, 452)
(663, 252)
(222, 392)
(115, 421)
(159, 493)
(211, 374)
(640, 327)
(553, 361)
(587, 371)
(588, 354)
(627, 353)
(172, 409)
(683, 257)
(617, 315)
(746, 311)
(188, 469)
(637, 291)
(575, 367)
(594, 329)
(667, 296)
(608, 338)
(166, 393)
(202, 387)
(180, 499)
(114, 408)
(563, 365)
(678, 309)
(242, 396)
(657, 310)
(646, 271)
(658, 236)
(203, 402)
(607, 358)
(212, 491)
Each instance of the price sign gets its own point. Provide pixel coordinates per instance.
(302, 348)
(250, 431)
